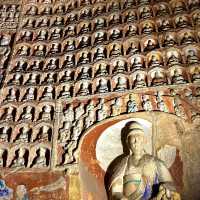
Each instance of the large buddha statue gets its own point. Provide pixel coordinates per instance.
(138, 175)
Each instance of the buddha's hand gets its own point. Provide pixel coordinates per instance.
(166, 194)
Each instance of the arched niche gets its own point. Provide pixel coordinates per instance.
(164, 139)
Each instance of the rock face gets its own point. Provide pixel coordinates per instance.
(71, 70)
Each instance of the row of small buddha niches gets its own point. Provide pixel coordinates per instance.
(100, 99)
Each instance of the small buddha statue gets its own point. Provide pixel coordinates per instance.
(130, 17)
(69, 114)
(196, 18)
(30, 23)
(33, 10)
(182, 22)
(102, 112)
(29, 95)
(100, 23)
(139, 81)
(102, 70)
(60, 10)
(40, 160)
(187, 38)
(174, 60)
(99, 54)
(148, 28)
(178, 77)
(35, 66)
(40, 51)
(146, 103)
(44, 134)
(79, 111)
(115, 34)
(146, 12)
(100, 37)
(121, 85)
(27, 114)
(9, 114)
(90, 119)
(196, 76)
(19, 160)
(59, 21)
(86, 13)
(32, 80)
(84, 42)
(129, 3)
(46, 113)
(90, 106)
(100, 10)
(84, 58)
(102, 86)
(11, 96)
(116, 107)
(84, 89)
(169, 41)
(48, 93)
(42, 35)
(137, 64)
(179, 7)
(84, 74)
(165, 25)
(65, 92)
(24, 135)
(131, 31)
(66, 77)
(16, 80)
(47, 10)
(50, 79)
(55, 49)
(44, 22)
(155, 61)
(70, 31)
(163, 10)
(115, 6)
(151, 45)
(158, 79)
(194, 4)
(115, 51)
(56, 34)
(26, 36)
(134, 48)
(52, 64)
(192, 58)
(77, 129)
(69, 61)
(70, 46)
(65, 132)
(120, 67)
(23, 51)
(132, 105)
(4, 135)
(20, 66)
(85, 28)
(114, 19)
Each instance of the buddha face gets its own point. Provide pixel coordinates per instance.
(135, 140)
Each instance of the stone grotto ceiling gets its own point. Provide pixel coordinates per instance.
(67, 65)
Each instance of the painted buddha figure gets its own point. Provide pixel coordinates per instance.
(192, 58)
(136, 175)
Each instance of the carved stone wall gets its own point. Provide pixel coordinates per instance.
(67, 66)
